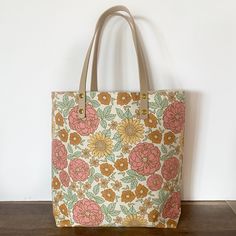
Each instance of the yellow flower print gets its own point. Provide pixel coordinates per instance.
(100, 145)
(134, 220)
(130, 130)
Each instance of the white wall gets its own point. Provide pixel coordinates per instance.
(189, 44)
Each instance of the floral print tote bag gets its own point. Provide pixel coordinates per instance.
(117, 156)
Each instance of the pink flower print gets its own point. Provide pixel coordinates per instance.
(170, 168)
(59, 154)
(174, 117)
(86, 212)
(78, 170)
(145, 158)
(84, 126)
(172, 206)
(154, 182)
(64, 177)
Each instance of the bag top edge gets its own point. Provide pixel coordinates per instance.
(123, 91)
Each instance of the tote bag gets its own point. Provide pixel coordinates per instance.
(117, 156)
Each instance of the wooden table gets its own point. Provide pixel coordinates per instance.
(35, 218)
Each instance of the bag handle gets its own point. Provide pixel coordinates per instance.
(143, 104)
(94, 80)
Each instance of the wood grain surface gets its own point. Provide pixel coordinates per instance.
(35, 218)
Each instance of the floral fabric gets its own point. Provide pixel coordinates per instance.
(112, 168)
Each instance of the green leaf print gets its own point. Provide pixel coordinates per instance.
(128, 114)
(92, 95)
(132, 210)
(117, 147)
(100, 113)
(158, 100)
(98, 200)
(153, 105)
(110, 117)
(69, 148)
(116, 136)
(163, 148)
(111, 207)
(136, 175)
(107, 133)
(134, 184)
(111, 158)
(114, 213)
(131, 172)
(120, 113)
(104, 209)
(128, 179)
(107, 111)
(95, 103)
(164, 103)
(125, 210)
(103, 124)
(159, 113)
(180, 96)
(66, 105)
(96, 189)
(65, 100)
(108, 218)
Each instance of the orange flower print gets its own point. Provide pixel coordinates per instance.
(109, 195)
(141, 191)
(55, 183)
(123, 98)
(151, 121)
(104, 98)
(127, 196)
(63, 135)
(106, 169)
(171, 96)
(75, 138)
(142, 210)
(121, 164)
(135, 96)
(103, 183)
(64, 223)
(155, 136)
(160, 225)
(169, 138)
(153, 215)
(113, 125)
(117, 185)
(126, 148)
(118, 220)
(171, 223)
(63, 209)
(59, 119)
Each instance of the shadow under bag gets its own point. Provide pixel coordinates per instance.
(117, 156)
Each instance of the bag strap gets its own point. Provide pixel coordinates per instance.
(94, 86)
(143, 103)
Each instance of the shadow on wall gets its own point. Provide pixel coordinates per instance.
(192, 127)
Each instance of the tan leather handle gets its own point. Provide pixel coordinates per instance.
(143, 104)
(94, 86)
